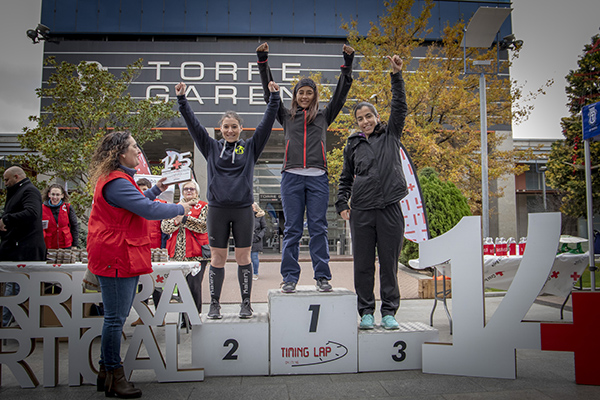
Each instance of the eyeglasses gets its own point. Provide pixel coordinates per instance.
(189, 189)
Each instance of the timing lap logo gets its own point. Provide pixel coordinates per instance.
(303, 356)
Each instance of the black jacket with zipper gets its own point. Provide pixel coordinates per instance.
(305, 144)
(372, 176)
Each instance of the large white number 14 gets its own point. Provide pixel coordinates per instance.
(479, 349)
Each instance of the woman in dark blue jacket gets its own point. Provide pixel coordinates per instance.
(373, 181)
(230, 171)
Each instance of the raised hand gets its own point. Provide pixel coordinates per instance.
(180, 89)
(263, 47)
(395, 63)
(273, 87)
(348, 49)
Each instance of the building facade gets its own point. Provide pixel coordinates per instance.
(211, 47)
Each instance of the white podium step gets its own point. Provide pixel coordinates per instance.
(402, 349)
(313, 332)
(232, 346)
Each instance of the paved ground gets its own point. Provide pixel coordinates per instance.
(269, 278)
(541, 375)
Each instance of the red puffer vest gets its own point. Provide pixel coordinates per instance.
(193, 240)
(58, 234)
(155, 232)
(118, 244)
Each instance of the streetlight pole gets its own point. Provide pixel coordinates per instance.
(480, 33)
(485, 205)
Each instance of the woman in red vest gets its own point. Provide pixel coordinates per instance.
(118, 246)
(186, 244)
(61, 230)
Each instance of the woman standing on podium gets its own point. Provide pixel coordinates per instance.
(304, 181)
(230, 172)
(373, 181)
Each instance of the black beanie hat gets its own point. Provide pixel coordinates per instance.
(305, 82)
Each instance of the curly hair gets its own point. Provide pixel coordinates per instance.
(106, 156)
(46, 192)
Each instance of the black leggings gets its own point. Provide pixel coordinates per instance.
(221, 221)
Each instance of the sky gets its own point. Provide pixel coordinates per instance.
(554, 33)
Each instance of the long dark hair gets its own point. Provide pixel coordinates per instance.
(106, 156)
(46, 192)
(365, 104)
(313, 107)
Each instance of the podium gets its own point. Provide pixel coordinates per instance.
(383, 350)
(232, 346)
(313, 332)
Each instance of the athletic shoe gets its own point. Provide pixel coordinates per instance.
(323, 285)
(288, 287)
(389, 322)
(215, 310)
(254, 277)
(245, 309)
(367, 321)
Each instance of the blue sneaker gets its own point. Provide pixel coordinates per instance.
(389, 322)
(366, 322)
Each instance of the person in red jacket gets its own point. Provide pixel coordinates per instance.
(118, 246)
(187, 236)
(61, 230)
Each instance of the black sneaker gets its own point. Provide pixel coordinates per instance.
(215, 310)
(323, 285)
(288, 287)
(245, 309)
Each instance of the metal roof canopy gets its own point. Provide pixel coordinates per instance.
(484, 26)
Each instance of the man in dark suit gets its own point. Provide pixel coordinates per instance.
(21, 233)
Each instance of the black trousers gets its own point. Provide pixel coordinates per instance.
(195, 284)
(381, 230)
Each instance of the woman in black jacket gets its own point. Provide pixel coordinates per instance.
(304, 182)
(373, 181)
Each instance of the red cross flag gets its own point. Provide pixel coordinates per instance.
(415, 217)
(143, 168)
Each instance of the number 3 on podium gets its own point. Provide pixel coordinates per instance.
(401, 355)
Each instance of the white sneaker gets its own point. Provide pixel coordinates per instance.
(254, 277)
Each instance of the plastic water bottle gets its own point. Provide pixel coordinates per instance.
(522, 243)
(488, 247)
(501, 247)
(512, 246)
